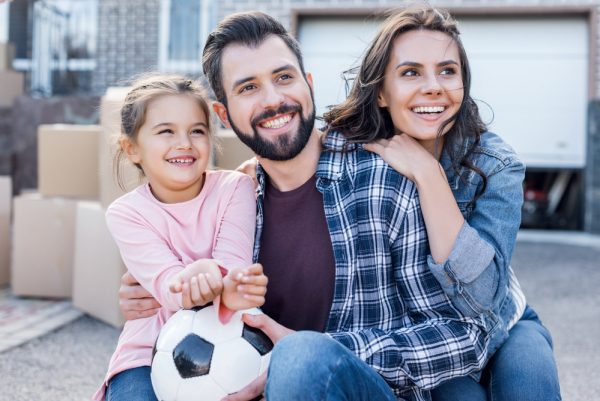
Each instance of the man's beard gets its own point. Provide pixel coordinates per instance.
(284, 147)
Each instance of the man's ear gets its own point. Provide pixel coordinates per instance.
(309, 79)
(130, 149)
(221, 111)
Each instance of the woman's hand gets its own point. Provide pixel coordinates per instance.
(405, 155)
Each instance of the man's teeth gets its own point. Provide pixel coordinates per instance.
(181, 161)
(429, 109)
(277, 122)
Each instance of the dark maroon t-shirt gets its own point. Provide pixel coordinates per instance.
(297, 256)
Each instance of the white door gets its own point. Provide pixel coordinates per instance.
(529, 73)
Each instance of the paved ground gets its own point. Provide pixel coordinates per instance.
(561, 280)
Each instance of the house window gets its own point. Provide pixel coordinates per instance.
(55, 43)
(185, 24)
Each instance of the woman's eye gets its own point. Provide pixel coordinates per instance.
(165, 131)
(409, 73)
(198, 132)
(448, 71)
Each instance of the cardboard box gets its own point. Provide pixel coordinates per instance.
(42, 248)
(98, 267)
(68, 160)
(232, 151)
(5, 210)
(7, 55)
(110, 120)
(12, 84)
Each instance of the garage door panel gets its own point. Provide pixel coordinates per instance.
(533, 72)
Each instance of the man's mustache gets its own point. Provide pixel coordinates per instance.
(283, 109)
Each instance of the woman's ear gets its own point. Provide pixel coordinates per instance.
(130, 149)
(221, 111)
(381, 102)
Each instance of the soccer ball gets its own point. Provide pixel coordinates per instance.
(196, 357)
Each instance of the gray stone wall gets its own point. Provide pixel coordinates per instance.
(128, 33)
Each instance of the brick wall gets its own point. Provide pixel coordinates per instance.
(128, 33)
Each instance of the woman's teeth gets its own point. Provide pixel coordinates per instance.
(429, 109)
(277, 122)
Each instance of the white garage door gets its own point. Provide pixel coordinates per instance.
(532, 72)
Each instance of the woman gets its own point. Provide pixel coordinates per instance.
(410, 103)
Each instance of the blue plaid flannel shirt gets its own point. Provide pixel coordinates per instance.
(387, 308)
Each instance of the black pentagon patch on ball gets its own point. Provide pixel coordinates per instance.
(258, 339)
(192, 356)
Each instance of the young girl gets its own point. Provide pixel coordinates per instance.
(184, 230)
(410, 103)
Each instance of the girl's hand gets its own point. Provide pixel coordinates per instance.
(199, 283)
(200, 290)
(404, 154)
(249, 285)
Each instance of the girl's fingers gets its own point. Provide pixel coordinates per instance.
(255, 280)
(186, 300)
(195, 289)
(255, 299)
(252, 289)
(215, 284)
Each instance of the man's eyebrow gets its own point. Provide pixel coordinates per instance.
(284, 67)
(275, 71)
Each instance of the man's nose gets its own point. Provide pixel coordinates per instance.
(272, 97)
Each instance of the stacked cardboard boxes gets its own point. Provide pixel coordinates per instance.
(5, 213)
(230, 151)
(61, 245)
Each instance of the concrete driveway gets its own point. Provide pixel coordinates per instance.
(560, 274)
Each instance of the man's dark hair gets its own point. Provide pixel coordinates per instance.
(246, 28)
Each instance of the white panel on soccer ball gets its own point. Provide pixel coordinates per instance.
(208, 326)
(165, 378)
(175, 329)
(264, 363)
(235, 364)
(200, 388)
(252, 311)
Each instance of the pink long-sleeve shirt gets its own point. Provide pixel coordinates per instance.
(157, 240)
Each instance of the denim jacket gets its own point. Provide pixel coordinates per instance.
(477, 275)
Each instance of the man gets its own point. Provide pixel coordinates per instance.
(340, 236)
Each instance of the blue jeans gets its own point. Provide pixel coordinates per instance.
(131, 385)
(311, 366)
(522, 369)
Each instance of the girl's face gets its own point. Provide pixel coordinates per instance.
(423, 84)
(172, 147)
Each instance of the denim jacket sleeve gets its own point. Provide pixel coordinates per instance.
(475, 275)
